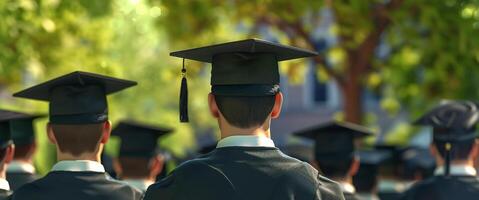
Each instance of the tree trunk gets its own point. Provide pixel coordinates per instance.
(352, 91)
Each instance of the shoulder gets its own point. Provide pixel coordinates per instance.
(302, 178)
(25, 191)
(197, 177)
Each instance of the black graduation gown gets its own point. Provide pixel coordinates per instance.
(4, 194)
(351, 196)
(244, 173)
(444, 188)
(77, 186)
(18, 179)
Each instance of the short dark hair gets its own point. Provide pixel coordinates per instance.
(78, 139)
(3, 153)
(335, 168)
(245, 112)
(24, 151)
(460, 150)
(134, 167)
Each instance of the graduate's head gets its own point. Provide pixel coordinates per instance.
(338, 169)
(462, 151)
(335, 147)
(129, 167)
(23, 135)
(454, 132)
(78, 140)
(139, 157)
(245, 112)
(245, 79)
(78, 110)
(6, 143)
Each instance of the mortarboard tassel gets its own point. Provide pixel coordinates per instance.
(184, 96)
(447, 164)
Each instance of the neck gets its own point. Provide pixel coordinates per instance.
(3, 170)
(469, 163)
(84, 156)
(23, 160)
(138, 178)
(229, 130)
(347, 179)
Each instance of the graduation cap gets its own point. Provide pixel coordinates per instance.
(23, 130)
(366, 179)
(78, 97)
(5, 132)
(138, 139)
(240, 68)
(452, 122)
(334, 140)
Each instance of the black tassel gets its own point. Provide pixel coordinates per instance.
(447, 164)
(184, 96)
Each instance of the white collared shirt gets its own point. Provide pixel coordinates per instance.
(245, 141)
(457, 170)
(20, 167)
(347, 188)
(140, 184)
(4, 184)
(387, 185)
(78, 166)
(367, 196)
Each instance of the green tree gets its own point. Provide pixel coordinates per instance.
(434, 41)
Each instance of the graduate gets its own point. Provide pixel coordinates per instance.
(455, 147)
(21, 170)
(367, 178)
(139, 161)
(7, 149)
(335, 154)
(79, 128)
(245, 96)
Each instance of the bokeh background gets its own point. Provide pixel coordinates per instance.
(382, 62)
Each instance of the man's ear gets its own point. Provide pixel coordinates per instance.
(213, 106)
(353, 170)
(474, 150)
(51, 136)
(106, 129)
(278, 104)
(10, 152)
(156, 165)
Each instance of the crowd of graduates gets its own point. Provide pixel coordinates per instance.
(244, 163)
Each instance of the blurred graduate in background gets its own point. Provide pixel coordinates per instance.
(139, 161)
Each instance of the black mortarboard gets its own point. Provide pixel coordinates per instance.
(366, 178)
(138, 139)
(23, 130)
(334, 139)
(78, 97)
(453, 122)
(241, 68)
(5, 132)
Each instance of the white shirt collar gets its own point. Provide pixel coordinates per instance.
(79, 166)
(4, 184)
(387, 185)
(140, 184)
(20, 167)
(245, 141)
(367, 196)
(457, 170)
(348, 188)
